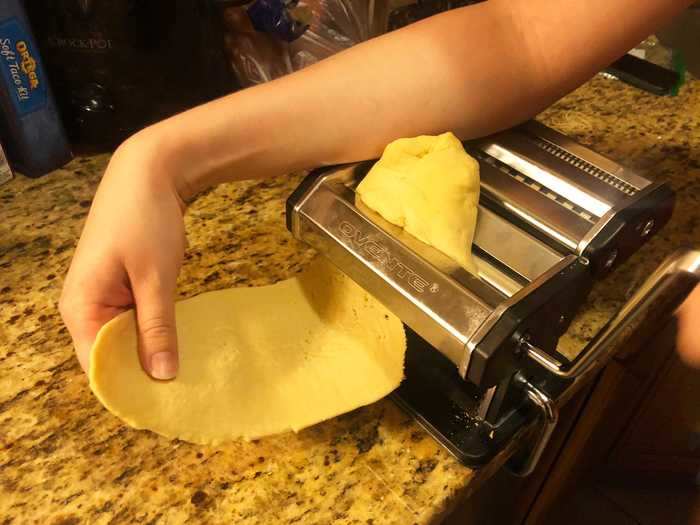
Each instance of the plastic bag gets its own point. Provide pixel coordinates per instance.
(262, 48)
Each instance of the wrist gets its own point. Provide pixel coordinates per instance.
(254, 133)
(155, 157)
(221, 141)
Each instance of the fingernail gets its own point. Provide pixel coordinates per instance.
(163, 365)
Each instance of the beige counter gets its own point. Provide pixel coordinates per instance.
(64, 459)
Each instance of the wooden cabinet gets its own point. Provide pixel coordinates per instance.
(640, 422)
(662, 437)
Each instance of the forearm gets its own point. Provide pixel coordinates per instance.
(433, 76)
(472, 71)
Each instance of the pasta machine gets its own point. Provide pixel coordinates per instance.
(554, 217)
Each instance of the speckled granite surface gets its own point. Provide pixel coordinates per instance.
(66, 460)
(659, 137)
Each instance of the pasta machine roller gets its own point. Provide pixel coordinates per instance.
(553, 218)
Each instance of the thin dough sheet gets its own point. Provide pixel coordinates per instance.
(257, 361)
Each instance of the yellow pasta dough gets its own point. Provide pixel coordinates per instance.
(256, 361)
(429, 186)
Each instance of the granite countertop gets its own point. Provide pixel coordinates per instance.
(65, 460)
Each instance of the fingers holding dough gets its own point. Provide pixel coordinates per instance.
(257, 361)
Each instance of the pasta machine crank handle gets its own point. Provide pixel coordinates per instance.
(667, 287)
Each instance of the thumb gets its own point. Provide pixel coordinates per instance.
(688, 344)
(155, 319)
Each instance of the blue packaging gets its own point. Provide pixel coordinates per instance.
(30, 124)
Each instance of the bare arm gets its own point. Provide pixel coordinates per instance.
(473, 71)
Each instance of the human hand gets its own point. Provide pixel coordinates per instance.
(129, 255)
(688, 343)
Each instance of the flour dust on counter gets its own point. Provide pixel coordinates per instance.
(257, 361)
